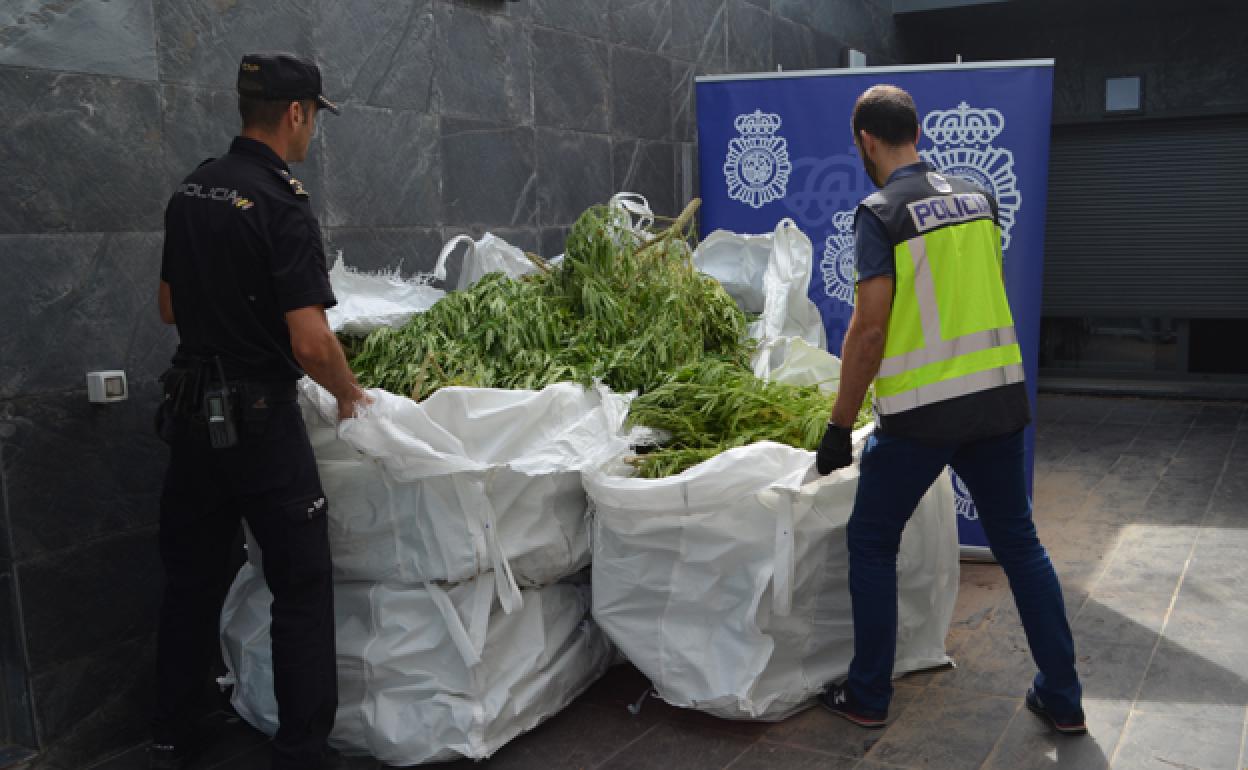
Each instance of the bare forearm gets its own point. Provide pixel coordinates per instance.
(860, 362)
(165, 302)
(324, 361)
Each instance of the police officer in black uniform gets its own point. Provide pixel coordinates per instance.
(243, 276)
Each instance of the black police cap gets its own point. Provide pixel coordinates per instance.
(277, 76)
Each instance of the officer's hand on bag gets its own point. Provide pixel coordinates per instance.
(352, 408)
(834, 450)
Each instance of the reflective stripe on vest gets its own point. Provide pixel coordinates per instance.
(922, 365)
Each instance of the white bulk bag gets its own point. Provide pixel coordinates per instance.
(491, 254)
(728, 584)
(767, 274)
(368, 301)
(738, 262)
(427, 675)
(468, 481)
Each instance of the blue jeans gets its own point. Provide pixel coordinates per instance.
(895, 474)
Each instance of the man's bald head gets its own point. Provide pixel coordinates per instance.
(888, 114)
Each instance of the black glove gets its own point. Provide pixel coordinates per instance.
(833, 450)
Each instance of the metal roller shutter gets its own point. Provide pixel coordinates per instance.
(1148, 219)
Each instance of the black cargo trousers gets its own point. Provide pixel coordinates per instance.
(269, 479)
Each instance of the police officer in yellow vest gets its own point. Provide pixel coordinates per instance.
(932, 327)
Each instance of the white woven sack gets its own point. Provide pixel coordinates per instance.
(470, 481)
(427, 675)
(728, 585)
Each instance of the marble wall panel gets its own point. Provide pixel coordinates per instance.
(84, 689)
(686, 171)
(196, 124)
(647, 168)
(569, 81)
(77, 153)
(792, 45)
(587, 18)
(517, 10)
(18, 725)
(684, 101)
(110, 453)
(484, 66)
(201, 42)
(72, 303)
(867, 25)
(573, 173)
(804, 12)
(381, 168)
(641, 85)
(830, 52)
(642, 24)
(698, 33)
(105, 38)
(377, 52)
(99, 594)
(748, 33)
(553, 240)
(488, 174)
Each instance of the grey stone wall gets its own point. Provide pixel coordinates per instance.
(1193, 57)
(460, 116)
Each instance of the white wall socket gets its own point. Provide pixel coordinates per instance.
(106, 387)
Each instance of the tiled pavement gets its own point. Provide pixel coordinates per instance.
(1143, 505)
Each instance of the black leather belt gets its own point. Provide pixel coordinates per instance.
(273, 392)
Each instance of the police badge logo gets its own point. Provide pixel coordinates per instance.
(962, 139)
(838, 266)
(757, 167)
(962, 503)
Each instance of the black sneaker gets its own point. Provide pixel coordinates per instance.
(839, 701)
(1073, 725)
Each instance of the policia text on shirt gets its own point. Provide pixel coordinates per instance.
(243, 276)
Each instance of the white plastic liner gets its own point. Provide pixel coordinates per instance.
(469, 481)
(427, 675)
(728, 585)
(368, 301)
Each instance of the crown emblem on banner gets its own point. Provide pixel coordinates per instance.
(964, 125)
(757, 166)
(838, 265)
(963, 146)
(757, 123)
(843, 221)
(962, 504)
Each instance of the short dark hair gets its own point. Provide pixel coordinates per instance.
(887, 113)
(267, 113)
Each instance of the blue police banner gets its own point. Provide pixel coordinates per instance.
(776, 145)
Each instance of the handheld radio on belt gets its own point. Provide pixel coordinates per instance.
(222, 433)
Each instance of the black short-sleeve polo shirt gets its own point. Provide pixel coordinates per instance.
(242, 248)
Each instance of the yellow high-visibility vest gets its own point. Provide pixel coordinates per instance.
(950, 333)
